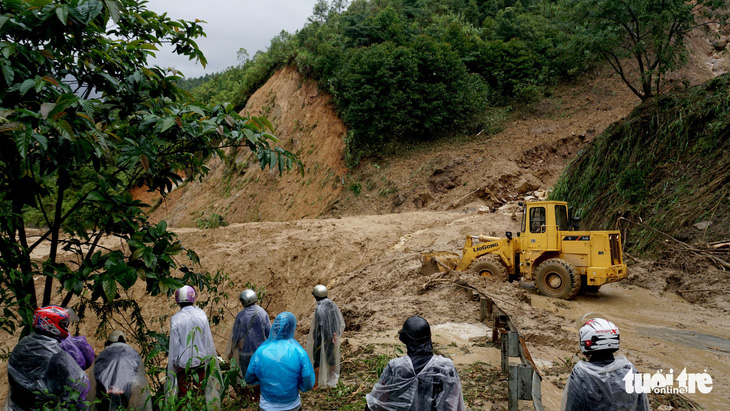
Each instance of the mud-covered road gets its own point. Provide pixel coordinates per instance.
(371, 265)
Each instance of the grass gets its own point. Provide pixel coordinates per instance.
(361, 367)
(212, 221)
(664, 166)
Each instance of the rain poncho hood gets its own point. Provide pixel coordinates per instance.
(323, 343)
(119, 371)
(280, 365)
(420, 350)
(436, 387)
(80, 350)
(251, 328)
(600, 386)
(39, 364)
(191, 345)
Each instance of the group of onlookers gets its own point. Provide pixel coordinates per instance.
(47, 366)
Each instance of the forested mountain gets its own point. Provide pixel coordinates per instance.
(414, 70)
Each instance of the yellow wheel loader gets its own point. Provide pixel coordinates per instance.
(548, 250)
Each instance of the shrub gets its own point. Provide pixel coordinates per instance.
(213, 221)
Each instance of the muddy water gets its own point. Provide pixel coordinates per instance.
(660, 331)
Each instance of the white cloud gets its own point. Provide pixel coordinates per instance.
(231, 25)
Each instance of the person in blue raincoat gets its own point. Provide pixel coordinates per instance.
(281, 367)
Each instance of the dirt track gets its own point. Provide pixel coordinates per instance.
(371, 265)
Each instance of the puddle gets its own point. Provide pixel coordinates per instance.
(688, 338)
(462, 331)
(658, 331)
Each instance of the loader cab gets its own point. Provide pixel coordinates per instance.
(541, 222)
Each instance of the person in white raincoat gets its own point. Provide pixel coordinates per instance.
(419, 381)
(191, 349)
(598, 384)
(118, 378)
(323, 343)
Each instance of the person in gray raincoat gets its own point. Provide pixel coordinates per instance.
(419, 381)
(323, 343)
(40, 371)
(118, 377)
(250, 330)
(598, 384)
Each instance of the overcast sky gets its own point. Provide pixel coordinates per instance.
(231, 25)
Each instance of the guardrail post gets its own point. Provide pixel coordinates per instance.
(510, 348)
(485, 309)
(520, 385)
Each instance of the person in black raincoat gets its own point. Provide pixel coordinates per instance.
(419, 381)
(40, 371)
(118, 377)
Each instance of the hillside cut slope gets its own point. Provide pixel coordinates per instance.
(237, 189)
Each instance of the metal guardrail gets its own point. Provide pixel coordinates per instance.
(524, 378)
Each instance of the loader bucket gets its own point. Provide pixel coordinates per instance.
(439, 261)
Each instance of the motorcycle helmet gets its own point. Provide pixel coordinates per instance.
(52, 320)
(599, 334)
(415, 328)
(248, 297)
(319, 291)
(186, 294)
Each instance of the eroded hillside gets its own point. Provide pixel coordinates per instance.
(237, 189)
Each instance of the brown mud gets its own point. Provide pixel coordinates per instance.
(371, 265)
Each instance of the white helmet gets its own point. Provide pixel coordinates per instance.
(186, 294)
(248, 297)
(599, 334)
(319, 291)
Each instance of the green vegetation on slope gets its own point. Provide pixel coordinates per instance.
(414, 70)
(666, 167)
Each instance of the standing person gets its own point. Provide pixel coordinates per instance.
(598, 384)
(118, 377)
(39, 370)
(191, 345)
(281, 367)
(250, 330)
(419, 381)
(323, 343)
(80, 350)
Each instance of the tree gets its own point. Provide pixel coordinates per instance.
(71, 158)
(650, 33)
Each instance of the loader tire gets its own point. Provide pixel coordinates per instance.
(557, 278)
(489, 266)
